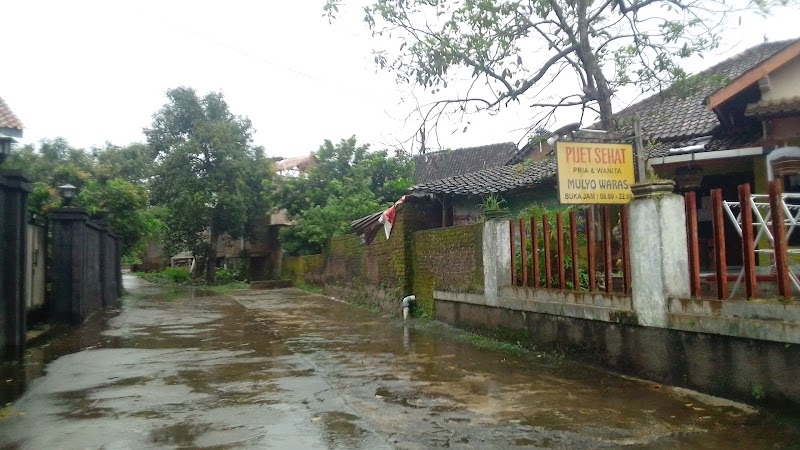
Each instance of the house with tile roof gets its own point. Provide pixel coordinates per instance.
(447, 163)
(744, 128)
(454, 168)
(733, 123)
(720, 110)
(459, 179)
(10, 125)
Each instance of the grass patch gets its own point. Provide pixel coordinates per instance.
(175, 276)
(485, 342)
(310, 288)
(7, 412)
(363, 306)
(488, 343)
(168, 294)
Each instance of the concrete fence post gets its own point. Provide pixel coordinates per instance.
(69, 264)
(107, 253)
(496, 258)
(118, 263)
(93, 282)
(110, 290)
(659, 256)
(15, 187)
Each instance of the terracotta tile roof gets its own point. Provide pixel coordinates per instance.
(448, 163)
(7, 117)
(679, 112)
(773, 108)
(497, 179)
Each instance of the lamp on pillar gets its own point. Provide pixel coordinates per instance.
(5, 147)
(67, 192)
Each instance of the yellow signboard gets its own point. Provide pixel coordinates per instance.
(590, 173)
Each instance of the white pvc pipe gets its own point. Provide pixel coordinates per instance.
(406, 304)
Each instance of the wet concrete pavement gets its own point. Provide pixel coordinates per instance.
(288, 369)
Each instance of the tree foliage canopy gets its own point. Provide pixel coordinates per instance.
(110, 179)
(514, 50)
(54, 162)
(128, 210)
(207, 172)
(347, 183)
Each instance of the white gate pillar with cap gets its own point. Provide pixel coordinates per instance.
(659, 256)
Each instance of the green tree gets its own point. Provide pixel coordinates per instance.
(347, 183)
(314, 226)
(132, 163)
(128, 213)
(207, 173)
(112, 179)
(41, 200)
(514, 50)
(54, 163)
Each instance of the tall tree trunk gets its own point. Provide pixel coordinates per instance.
(211, 260)
(598, 86)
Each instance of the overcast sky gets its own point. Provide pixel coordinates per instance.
(96, 71)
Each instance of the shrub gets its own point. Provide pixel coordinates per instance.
(225, 276)
(177, 274)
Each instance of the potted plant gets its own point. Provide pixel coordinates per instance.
(653, 185)
(492, 207)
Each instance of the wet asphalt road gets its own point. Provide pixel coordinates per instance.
(286, 369)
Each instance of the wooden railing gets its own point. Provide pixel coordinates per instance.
(752, 216)
(545, 255)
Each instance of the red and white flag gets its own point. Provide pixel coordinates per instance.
(388, 217)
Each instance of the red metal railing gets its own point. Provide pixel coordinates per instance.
(552, 252)
(754, 218)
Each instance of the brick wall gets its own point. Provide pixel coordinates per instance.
(378, 274)
(411, 261)
(303, 269)
(447, 259)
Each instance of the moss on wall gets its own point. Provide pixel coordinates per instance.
(378, 274)
(447, 259)
(386, 270)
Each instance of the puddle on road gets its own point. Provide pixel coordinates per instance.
(429, 384)
(287, 369)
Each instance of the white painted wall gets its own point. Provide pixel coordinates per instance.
(784, 82)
